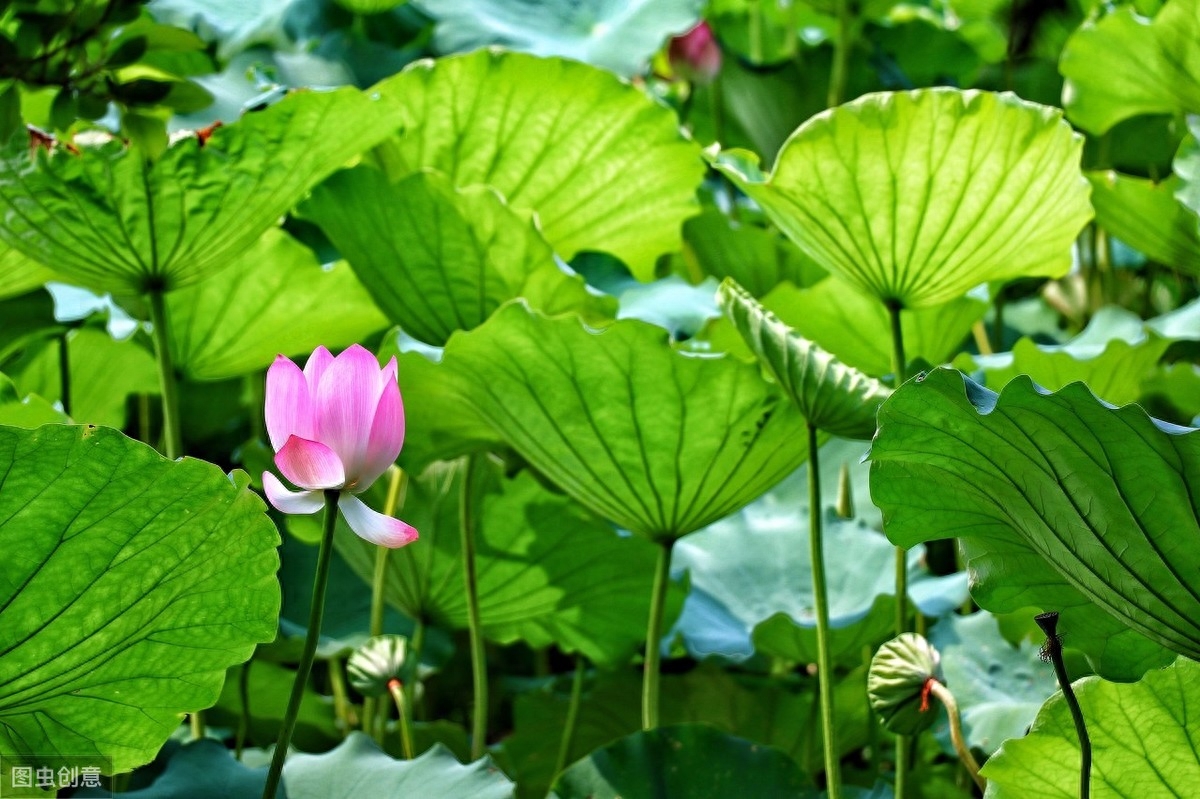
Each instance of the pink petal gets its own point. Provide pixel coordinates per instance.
(291, 501)
(289, 405)
(317, 363)
(375, 527)
(387, 436)
(310, 464)
(345, 401)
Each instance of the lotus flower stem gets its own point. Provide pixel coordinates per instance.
(658, 601)
(64, 373)
(172, 437)
(956, 734)
(841, 55)
(474, 628)
(315, 614)
(568, 734)
(1052, 651)
(396, 689)
(833, 781)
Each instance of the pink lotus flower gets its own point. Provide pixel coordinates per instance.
(339, 424)
(695, 55)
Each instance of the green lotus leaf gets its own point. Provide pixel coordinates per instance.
(1148, 217)
(131, 584)
(1061, 502)
(269, 686)
(19, 273)
(855, 328)
(1114, 355)
(602, 165)
(104, 372)
(660, 441)
(1123, 65)
(1144, 736)
(621, 37)
(685, 760)
(1187, 167)
(750, 576)
(202, 768)
(548, 571)
(757, 258)
(769, 711)
(917, 197)
(28, 411)
(113, 222)
(439, 259)
(275, 298)
(833, 397)
(358, 768)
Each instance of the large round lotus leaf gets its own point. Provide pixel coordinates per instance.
(439, 259)
(357, 768)
(108, 220)
(237, 321)
(604, 166)
(659, 441)
(684, 761)
(919, 196)
(617, 36)
(549, 572)
(1059, 501)
(1123, 65)
(833, 397)
(131, 583)
(1144, 737)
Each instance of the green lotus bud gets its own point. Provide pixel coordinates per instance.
(376, 663)
(898, 683)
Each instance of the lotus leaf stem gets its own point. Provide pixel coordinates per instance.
(944, 696)
(658, 601)
(833, 782)
(172, 436)
(572, 720)
(474, 627)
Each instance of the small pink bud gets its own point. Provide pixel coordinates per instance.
(696, 55)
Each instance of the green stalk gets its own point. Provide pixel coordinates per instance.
(899, 367)
(412, 665)
(833, 780)
(239, 741)
(343, 711)
(900, 789)
(568, 733)
(172, 437)
(315, 614)
(900, 370)
(658, 601)
(64, 373)
(841, 56)
(1052, 651)
(474, 627)
(379, 578)
(396, 689)
(956, 734)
